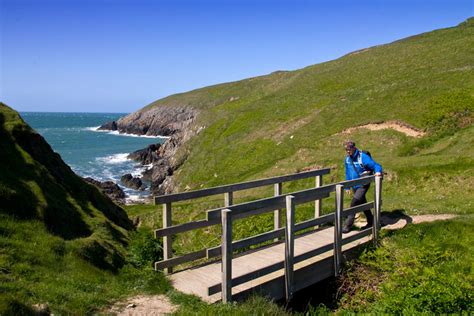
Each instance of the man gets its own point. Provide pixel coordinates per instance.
(358, 164)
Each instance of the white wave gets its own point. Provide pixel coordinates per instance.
(93, 129)
(135, 198)
(114, 159)
(117, 133)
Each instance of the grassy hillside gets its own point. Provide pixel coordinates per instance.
(285, 121)
(62, 242)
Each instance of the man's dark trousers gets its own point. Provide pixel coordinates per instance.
(358, 199)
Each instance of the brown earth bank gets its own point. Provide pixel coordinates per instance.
(398, 126)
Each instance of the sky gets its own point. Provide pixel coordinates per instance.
(120, 55)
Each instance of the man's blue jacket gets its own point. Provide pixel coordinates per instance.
(362, 162)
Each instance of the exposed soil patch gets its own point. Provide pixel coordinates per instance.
(398, 220)
(143, 305)
(395, 125)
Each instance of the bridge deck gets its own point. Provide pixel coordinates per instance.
(197, 280)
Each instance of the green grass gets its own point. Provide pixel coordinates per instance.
(62, 243)
(424, 268)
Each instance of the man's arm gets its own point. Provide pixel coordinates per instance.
(371, 164)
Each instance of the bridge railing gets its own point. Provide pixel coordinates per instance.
(168, 229)
(228, 214)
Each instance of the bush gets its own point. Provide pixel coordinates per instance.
(144, 249)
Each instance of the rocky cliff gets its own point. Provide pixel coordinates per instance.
(175, 122)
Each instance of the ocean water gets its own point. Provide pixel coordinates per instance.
(101, 155)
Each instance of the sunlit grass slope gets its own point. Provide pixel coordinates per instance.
(62, 242)
(285, 121)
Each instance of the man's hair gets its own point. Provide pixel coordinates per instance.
(349, 144)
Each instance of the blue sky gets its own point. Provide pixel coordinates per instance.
(118, 55)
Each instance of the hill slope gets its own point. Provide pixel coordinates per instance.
(286, 121)
(59, 236)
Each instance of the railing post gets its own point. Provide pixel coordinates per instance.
(278, 188)
(318, 203)
(338, 228)
(228, 199)
(167, 242)
(289, 246)
(226, 216)
(378, 205)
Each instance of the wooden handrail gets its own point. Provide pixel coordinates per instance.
(162, 199)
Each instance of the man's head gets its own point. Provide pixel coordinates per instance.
(350, 147)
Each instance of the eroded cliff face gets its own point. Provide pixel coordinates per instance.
(174, 122)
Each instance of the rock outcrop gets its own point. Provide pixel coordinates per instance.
(157, 121)
(132, 182)
(172, 121)
(147, 155)
(109, 188)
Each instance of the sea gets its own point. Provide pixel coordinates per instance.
(101, 155)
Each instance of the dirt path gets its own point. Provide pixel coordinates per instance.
(397, 221)
(149, 305)
(395, 125)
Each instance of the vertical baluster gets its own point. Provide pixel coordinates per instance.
(378, 205)
(278, 190)
(289, 246)
(226, 216)
(318, 203)
(338, 228)
(228, 199)
(167, 242)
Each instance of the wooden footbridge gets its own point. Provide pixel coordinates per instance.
(293, 257)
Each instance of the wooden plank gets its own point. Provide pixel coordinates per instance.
(314, 253)
(289, 246)
(167, 240)
(216, 288)
(357, 209)
(168, 263)
(226, 256)
(184, 227)
(268, 204)
(360, 181)
(238, 186)
(338, 229)
(357, 236)
(314, 222)
(243, 243)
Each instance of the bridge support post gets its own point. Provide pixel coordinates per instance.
(226, 255)
(289, 246)
(278, 189)
(167, 246)
(338, 228)
(377, 210)
(318, 203)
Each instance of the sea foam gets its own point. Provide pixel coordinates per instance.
(114, 159)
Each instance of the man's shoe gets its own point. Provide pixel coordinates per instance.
(346, 229)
